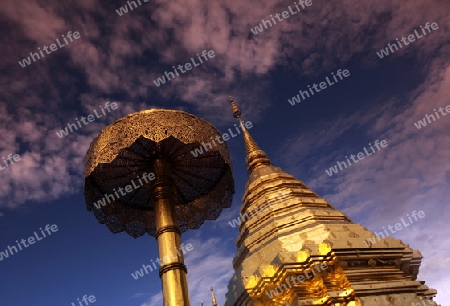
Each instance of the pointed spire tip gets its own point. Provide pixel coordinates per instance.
(214, 301)
(255, 156)
(235, 108)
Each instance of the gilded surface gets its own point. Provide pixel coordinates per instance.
(204, 184)
(154, 124)
(294, 230)
(299, 230)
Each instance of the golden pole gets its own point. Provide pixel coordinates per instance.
(173, 272)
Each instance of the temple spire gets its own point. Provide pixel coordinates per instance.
(214, 302)
(255, 156)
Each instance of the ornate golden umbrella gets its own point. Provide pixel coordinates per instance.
(143, 174)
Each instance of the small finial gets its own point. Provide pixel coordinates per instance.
(255, 156)
(214, 301)
(235, 108)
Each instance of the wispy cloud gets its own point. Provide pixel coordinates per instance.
(209, 264)
(112, 59)
(104, 62)
(411, 174)
(154, 300)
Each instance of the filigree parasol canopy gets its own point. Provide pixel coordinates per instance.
(125, 150)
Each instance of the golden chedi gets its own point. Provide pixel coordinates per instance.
(302, 251)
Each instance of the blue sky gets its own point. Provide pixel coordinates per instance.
(116, 58)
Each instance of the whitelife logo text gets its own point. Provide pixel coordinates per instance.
(285, 15)
(398, 227)
(49, 229)
(360, 156)
(27, 61)
(411, 38)
(90, 118)
(162, 261)
(423, 123)
(205, 145)
(304, 94)
(162, 80)
(10, 158)
(129, 188)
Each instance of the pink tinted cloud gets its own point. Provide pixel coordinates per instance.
(412, 173)
(314, 39)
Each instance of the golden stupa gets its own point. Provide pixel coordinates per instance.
(294, 248)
